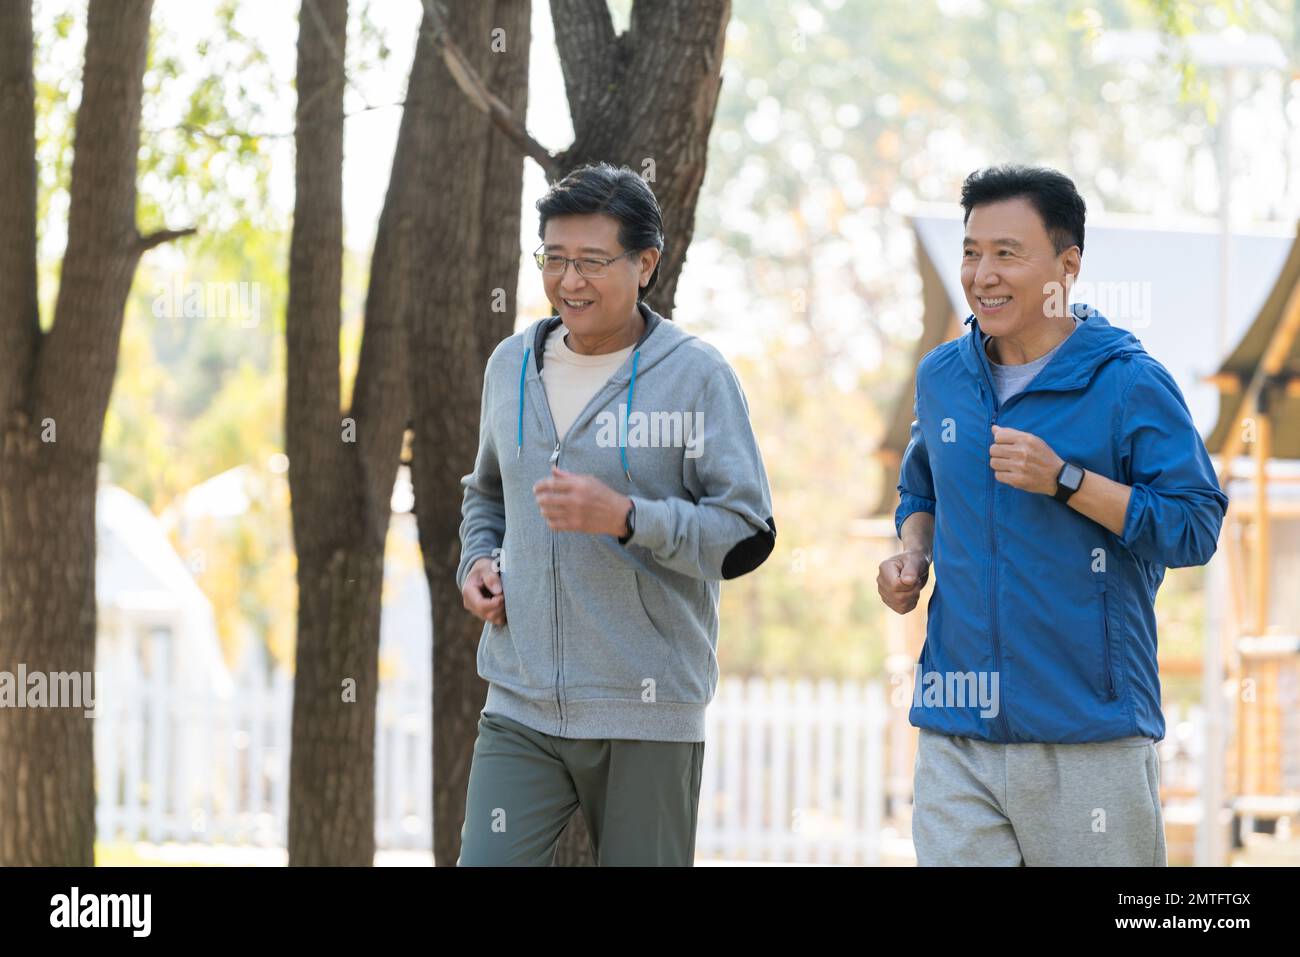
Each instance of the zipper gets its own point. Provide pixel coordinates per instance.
(555, 596)
(556, 645)
(596, 401)
(1105, 646)
(997, 647)
(993, 548)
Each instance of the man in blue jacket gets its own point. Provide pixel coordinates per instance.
(1053, 474)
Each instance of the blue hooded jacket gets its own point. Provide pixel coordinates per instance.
(1046, 609)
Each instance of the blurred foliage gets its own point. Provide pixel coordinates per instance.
(243, 560)
(812, 607)
(1180, 19)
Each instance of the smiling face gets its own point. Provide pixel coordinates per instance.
(1008, 267)
(594, 308)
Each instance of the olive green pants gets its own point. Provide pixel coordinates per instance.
(640, 799)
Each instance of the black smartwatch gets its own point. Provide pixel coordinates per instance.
(1068, 481)
(631, 525)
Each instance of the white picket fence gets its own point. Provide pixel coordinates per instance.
(793, 771)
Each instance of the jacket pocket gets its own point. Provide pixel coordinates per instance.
(519, 654)
(610, 647)
(1108, 669)
(682, 617)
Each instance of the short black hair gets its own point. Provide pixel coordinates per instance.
(1052, 194)
(616, 191)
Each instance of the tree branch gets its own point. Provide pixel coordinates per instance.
(149, 241)
(100, 259)
(20, 324)
(585, 38)
(218, 135)
(472, 85)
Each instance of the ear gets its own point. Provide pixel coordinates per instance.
(1071, 263)
(648, 261)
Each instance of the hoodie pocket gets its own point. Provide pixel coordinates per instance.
(609, 646)
(1108, 669)
(681, 618)
(519, 654)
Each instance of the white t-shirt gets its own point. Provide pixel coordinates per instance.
(572, 379)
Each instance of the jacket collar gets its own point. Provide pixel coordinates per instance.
(1090, 346)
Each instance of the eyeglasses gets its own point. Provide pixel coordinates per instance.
(588, 267)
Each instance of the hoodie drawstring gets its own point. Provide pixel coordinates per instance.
(519, 438)
(622, 441)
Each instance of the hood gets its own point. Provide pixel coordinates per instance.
(1091, 345)
(657, 342)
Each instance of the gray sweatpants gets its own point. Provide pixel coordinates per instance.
(640, 799)
(985, 804)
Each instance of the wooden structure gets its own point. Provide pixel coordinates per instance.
(1257, 443)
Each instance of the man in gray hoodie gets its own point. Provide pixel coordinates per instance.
(617, 482)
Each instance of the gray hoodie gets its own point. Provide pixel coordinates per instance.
(604, 640)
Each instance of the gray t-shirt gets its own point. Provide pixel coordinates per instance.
(1009, 380)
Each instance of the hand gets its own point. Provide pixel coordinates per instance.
(483, 595)
(901, 579)
(1024, 461)
(581, 503)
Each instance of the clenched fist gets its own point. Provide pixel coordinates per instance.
(571, 502)
(901, 579)
(483, 594)
(1024, 461)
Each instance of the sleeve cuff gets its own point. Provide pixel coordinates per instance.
(651, 523)
(907, 505)
(466, 564)
(1137, 504)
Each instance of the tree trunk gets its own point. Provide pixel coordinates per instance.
(342, 468)
(468, 244)
(54, 390)
(646, 99)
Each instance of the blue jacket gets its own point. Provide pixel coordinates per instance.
(1033, 601)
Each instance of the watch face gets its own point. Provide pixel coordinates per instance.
(1071, 476)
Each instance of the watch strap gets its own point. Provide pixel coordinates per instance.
(630, 523)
